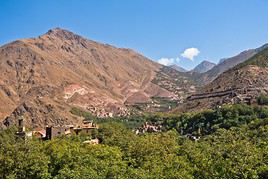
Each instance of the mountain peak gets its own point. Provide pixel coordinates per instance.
(178, 68)
(205, 61)
(58, 30)
(62, 34)
(203, 67)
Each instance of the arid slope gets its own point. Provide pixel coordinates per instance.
(43, 77)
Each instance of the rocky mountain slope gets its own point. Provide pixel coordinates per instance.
(178, 68)
(228, 63)
(241, 84)
(43, 78)
(203, 67)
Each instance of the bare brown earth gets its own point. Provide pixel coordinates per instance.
(241, 85)
(43, 78)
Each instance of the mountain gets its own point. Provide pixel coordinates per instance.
(178, 68)
(222, 60)
(241, 84)
(43, 78)
(203, 67)
(228, 63)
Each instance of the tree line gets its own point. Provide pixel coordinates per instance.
(233, 144)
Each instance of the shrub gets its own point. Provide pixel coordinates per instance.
(262, 99)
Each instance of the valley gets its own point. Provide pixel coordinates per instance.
(61, 69)
(133, 89)
(75, 107)
(44, 77)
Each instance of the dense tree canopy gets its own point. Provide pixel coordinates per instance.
(233, 144)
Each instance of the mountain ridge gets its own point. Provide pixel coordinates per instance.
(73, 71)
(178, 68)
(241, 84)
(203, 67)
(228, 63)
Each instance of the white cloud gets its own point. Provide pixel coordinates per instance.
(190, 53)
(168, 61)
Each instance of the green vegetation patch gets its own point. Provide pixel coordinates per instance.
(82, 113)
(262, 99)
(260, 59)
(233, 144)
(239, 152)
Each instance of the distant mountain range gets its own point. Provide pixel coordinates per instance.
(178, 68)
(203, 67)
(43, 78)
(241, 84)
(228, 63)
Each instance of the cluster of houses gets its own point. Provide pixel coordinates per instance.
(150, 128)
(111, 110)
(147, 127)
(51, 132)
(66, 130)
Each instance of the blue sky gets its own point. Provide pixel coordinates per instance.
(157, 28)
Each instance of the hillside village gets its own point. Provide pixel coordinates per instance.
(52, 132)
(134, 89)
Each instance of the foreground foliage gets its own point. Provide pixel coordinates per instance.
(236, 150)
